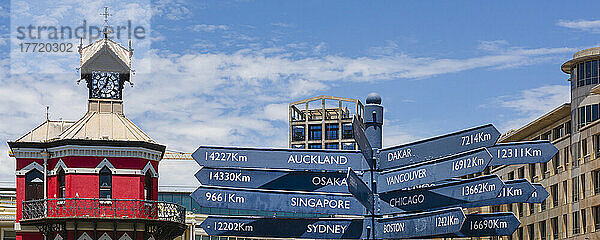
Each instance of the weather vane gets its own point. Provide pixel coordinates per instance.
(106, 14)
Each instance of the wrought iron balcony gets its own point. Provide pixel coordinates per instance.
(113, 209)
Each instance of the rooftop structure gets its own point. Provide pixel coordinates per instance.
(323, 122)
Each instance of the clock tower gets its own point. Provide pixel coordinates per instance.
(105, 66)
(97, 177)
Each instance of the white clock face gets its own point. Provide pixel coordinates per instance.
(106, 85)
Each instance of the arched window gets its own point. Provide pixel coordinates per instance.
(148, 186)
(105, 183)
(34, 185)
(61, 183)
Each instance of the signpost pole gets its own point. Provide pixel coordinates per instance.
(373, 120)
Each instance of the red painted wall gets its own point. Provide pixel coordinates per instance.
(126, 187)
(86, 185)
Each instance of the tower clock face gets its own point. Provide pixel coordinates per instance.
(106, 85)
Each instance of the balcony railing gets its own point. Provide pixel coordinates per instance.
(102, 209)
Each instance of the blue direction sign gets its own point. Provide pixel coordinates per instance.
(284, 201)
(441, 196)
(297, 159)
(362, 141)
(487, 224)
(274, 179)
(433, 148)
(514, 191)
(539, 195)
(522, 153)
(359, 190)
(420, 224)
(433, 171)
(285, 227)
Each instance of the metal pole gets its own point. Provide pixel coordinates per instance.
(45, 156)
(373, 120)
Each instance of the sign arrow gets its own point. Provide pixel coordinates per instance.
(487, 224)
(327, 228)
(539, 195)
(274, 179)
(283, 201)
(522, 153)
(362, 141)
(420, 224)
(433, 171)
(441, 196)
(441, 146)
(359, 190)
(514, 191)
(296, 159)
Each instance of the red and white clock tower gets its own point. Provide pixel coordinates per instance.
(96, 178)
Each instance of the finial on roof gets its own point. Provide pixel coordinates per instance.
(106, 14)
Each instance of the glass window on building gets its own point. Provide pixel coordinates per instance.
(543, 205)
(558, 132)
(566, 155)
(565, 192)
(596, 217)
(596, 142)
(575, 223)
(332, 146)
(531, 208)
(543, 169)
(315, 132)
(568, 127)
(555, 163)
(542, 227)
(511, 176)
(347, 131)
(332, 131)
(520, 209)
(530, 231)
(575, 185)
(565, 225)
(298, 133)
(582, 178)
(105, 183)
(596, 181)
(520, 233)
(298, 146)
(521, 172)
(314, 146)
(554, 193)
(583, 221)
(348, 146)
(531, 171)
(554, 225)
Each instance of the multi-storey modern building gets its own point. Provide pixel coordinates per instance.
(96, 178)
(572, 177)
(323, 122)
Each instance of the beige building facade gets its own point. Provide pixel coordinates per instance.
(572, 177)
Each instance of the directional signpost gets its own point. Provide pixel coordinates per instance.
(324, 228)
(436, 170)
(424, 185)
(514, 191)
(488, 224)
(434, 148)
(310, 181)
(441, 196)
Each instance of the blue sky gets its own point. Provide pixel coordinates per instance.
(206, 66)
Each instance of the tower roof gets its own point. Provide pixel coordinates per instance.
(102, 49)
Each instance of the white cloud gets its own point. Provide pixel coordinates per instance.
(187, 100)
(583, 25)
(208, 27)
(533, 103)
